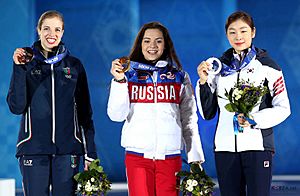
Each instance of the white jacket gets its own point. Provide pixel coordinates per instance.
(159, 112)
(273, 109)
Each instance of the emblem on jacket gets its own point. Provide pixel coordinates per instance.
(168, 75)
(28, 162)
(250, 70)
(67, 72)
(266, 164)
(74, 161)
(36, 72)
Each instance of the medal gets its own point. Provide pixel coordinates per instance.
(28, 55)
(125, 62)
(216, 65)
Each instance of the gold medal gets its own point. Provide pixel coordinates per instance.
(125, 61)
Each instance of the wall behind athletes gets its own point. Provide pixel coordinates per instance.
(99, 31)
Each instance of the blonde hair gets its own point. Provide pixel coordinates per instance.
(50, 14)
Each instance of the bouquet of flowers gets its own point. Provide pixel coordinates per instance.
(93, 181)
(195, 182)
(244, 96)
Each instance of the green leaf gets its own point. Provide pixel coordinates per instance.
(229, 107)
(94, 164)
(99, 169)
(101, 181)
(77, 176)
(243, 108)
(182, 173)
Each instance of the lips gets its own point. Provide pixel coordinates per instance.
(51, 40)
(239, 44)
(152, 52)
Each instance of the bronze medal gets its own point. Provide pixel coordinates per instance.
(125, 61)
(28, 55)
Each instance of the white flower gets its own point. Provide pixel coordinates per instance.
(88, 186)
(201, 193)
(194, 183)
(95, 188)
(190, 188)
(88, 189)
(79, 186)
(92, 179)
(189, 182)
(237, 94)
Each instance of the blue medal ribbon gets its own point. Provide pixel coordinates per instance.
(56, 59)
(146, 67)
(251, 121)
(237, 128)
(52, 60)
(236, 64)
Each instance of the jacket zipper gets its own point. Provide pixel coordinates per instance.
(154, 78)
(237, 80)
(53, 100)
(53, 103)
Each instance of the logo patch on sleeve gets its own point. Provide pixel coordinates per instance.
(266, 164)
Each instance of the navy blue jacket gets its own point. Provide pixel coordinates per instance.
(55, 105)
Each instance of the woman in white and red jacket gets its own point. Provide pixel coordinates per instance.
(243, 159)
(155, 99)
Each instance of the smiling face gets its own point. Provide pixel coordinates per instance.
(240, 35)
(153, 44)
(51, 32)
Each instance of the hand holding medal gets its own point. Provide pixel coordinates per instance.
(125, 62)
(212, 66)
(119, 67)
(23, 55)
(215, 65)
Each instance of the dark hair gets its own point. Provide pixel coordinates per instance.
(169, 53)
(50, 14)
(239, 15)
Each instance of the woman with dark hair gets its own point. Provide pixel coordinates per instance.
(49, 89)
(155, 99)
(243, 150)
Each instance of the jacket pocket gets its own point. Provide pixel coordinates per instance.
(77, 132)
(25, 133)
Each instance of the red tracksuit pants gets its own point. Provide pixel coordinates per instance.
(148, 177)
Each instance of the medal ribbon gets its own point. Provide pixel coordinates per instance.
(56, 59)
(236, 64)
(52, 60)
(146, 67)
(237, 128)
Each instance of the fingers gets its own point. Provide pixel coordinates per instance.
(86, 165)
(242, 121)
(19, 56)
(116, 69)
(116, 66)
(204, 66)
(202, 71)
